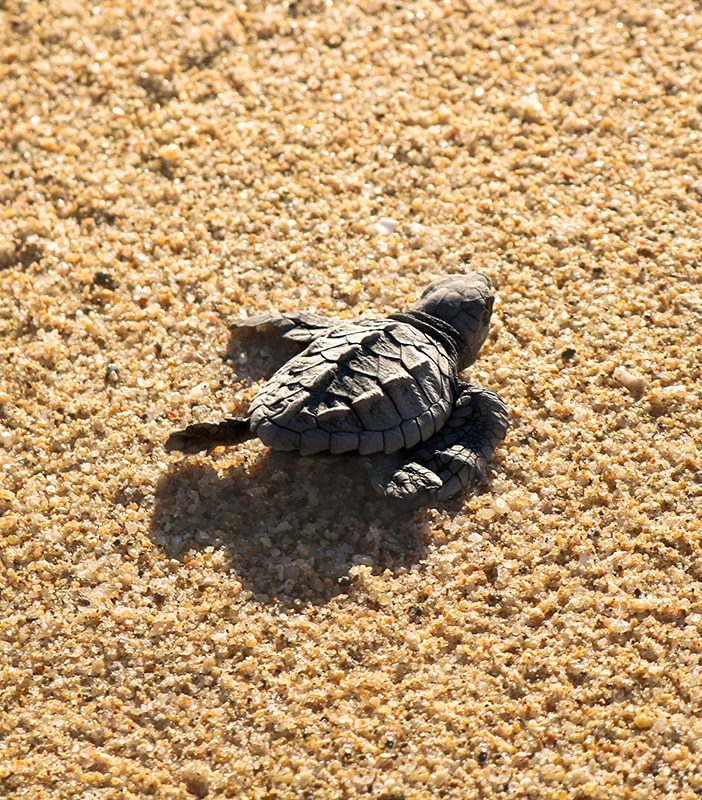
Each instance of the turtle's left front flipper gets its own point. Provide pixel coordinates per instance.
(302, 327)
(452, 459)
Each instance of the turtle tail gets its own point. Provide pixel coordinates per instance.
(208, 435)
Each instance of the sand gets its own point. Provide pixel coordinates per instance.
(232, 626)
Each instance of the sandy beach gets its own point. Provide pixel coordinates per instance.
(237, 625)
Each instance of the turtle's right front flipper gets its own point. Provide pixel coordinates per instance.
(298, 326)
(453, 458)
(207, 435)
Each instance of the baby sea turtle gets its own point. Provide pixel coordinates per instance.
(385, 389)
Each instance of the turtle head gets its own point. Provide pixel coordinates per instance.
(465, 303)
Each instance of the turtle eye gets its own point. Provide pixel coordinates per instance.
(487, 312)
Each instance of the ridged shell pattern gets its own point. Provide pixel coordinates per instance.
(372, 386)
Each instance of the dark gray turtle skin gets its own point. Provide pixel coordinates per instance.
(387, 390)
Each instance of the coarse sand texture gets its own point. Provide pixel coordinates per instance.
(249, 627)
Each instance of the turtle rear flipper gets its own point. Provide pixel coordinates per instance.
(208, 435)
(454, 457)
(302, 327)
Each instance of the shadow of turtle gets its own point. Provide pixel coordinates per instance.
(292, 527)
(254, 354)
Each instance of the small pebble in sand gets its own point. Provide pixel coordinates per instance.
(636, 384)
(170, 152)
(386, 225)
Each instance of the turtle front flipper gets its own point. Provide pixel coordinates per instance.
(208, 435)
(299, 326)
(453, 458)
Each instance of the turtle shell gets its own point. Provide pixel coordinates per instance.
(372, 386)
